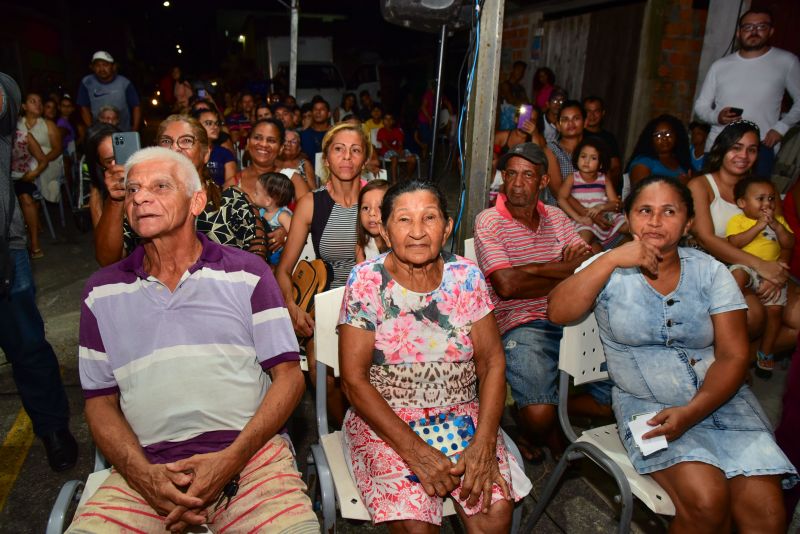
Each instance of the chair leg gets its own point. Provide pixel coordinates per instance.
(326, 489)
(547, 494)
(66, 199)
(70, 492)
(47, 217)
(574, 452)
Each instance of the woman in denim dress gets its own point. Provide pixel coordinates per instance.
(672, 322)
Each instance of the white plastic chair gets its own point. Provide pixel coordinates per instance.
(373, 137)
(469, 250)
(336, 485)
(77, 491)
(318, 166)
(308, 252)
(581, 357)
(626, 186)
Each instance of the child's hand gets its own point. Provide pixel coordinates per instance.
(585, 220)
(769, 215)
(593, 211)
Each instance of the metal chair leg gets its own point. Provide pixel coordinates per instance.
(326, 489)
(547, 494)
(573, 452)
(70, 492)
(47, 217)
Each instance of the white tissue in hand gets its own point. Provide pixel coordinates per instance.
(639, 427)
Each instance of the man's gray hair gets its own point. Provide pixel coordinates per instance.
(105, 108)
(156, 153)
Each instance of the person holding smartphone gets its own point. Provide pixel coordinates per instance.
(729, 94)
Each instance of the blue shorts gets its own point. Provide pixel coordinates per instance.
(532, 365)
(395, 154)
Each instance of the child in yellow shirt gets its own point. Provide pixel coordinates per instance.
(762, 233)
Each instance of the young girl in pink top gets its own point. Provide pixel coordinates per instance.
(588, 185)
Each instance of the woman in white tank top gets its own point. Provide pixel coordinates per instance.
(48, 182)
(730, 160)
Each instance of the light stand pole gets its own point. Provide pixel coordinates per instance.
(435, 125)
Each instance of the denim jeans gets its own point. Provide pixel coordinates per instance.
(33, 362)
(765, 162)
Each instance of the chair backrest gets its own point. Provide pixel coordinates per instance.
(626, 186)
(373, 138)
(326, 339)
(318, 167)
(469, 249)
(581, 352)
(308, 252)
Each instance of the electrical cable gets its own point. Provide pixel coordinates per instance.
(460, 130)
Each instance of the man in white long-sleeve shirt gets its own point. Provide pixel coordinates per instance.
(752, 80)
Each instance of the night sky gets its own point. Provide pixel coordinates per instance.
(147, 33)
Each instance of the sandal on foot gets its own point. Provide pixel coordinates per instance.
(36, 254)
(765, 363)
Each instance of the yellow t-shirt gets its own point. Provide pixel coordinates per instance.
(765, 245)
(370, 125)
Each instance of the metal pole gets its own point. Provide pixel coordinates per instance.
(435, 125)
(481, 116)
(293, 49)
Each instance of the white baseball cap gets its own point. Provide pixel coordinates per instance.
(103, 56)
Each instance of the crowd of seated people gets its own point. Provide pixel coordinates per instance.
(683, 255)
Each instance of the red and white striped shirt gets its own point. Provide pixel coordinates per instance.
(502, 242)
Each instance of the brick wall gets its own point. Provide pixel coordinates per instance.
(682, 29)
(517, 35)
(516, 39)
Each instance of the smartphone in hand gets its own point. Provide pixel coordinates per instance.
(125, 144)
(525, 111)
(737, 111)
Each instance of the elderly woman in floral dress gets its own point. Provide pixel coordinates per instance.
(416, 338)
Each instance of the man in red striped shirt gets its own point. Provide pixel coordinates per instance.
(525, 248)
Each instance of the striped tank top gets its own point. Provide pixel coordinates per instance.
(333, 233)
(589, 194)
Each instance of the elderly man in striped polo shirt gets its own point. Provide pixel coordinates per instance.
(189, 366)
(524, 249)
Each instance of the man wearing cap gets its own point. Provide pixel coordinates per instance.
(104, 87)
(524, 249)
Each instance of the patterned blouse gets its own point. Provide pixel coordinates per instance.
(423, 355)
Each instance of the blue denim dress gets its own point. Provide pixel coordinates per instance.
(659, 348)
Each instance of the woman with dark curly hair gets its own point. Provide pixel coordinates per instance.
(662, 150)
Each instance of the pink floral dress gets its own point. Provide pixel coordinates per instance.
(422, 365)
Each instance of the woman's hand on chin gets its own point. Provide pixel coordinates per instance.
(637, 253)
(479, 470)
(433, 469)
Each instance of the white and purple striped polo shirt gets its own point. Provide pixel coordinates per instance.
(188, 365)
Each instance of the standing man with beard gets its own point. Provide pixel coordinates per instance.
(749, 84)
